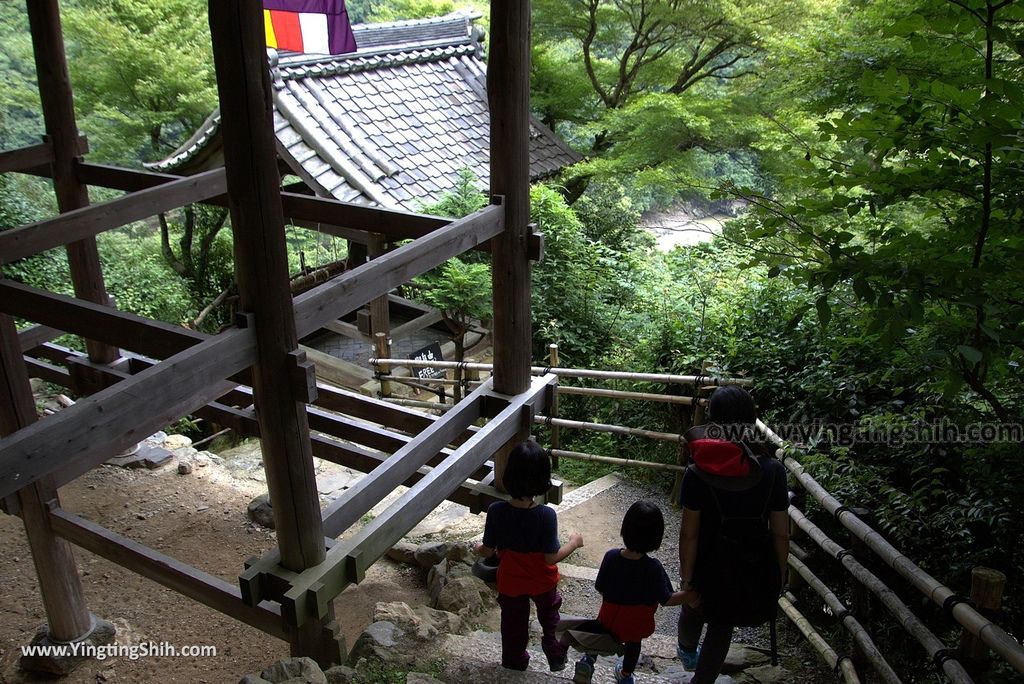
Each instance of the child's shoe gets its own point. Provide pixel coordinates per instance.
(584, 670)
(689, 658)
(557, 664)
(621, 678)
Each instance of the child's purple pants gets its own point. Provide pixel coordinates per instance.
(515, 628)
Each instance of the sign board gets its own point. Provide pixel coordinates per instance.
(428, 353)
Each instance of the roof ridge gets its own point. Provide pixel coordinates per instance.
(355, 62)
(451, 17)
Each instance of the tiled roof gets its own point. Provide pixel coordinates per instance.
(391, 124)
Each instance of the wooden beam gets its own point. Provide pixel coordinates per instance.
(118, 328)
(508, 92)
(48, 372)
(89, 221)
(312, 591)
(197, 585)
(111, 420)
(356, 287)
(32, 156)
(32, 337)
(381, 533)
(261, 271)
(332, 216)
(417, 324)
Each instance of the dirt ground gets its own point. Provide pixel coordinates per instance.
(199, 518)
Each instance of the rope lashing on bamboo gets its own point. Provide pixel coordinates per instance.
(663, 378)
(580, 456)
(839, 664)
(991, 634)
(848, 620)
(931, 643)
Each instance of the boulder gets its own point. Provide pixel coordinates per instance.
(422, 622)
(467, 596)
(379, 642)
(172, 442)
(340, 674)
(403, 552)
(429, 555)
(294, 671)
(260, 511)
(741, 657)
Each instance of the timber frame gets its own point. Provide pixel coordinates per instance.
(139, 375)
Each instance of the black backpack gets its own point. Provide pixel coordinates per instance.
(741, 581)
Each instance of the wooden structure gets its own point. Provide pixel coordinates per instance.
(140, 375)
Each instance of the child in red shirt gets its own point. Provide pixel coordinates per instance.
(524, 535)
(632, 586)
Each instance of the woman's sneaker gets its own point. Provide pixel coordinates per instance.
(584, 670)
(689, 658)
(621, 678)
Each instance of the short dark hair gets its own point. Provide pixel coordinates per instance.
(731, 406)
(528, 471)
(643, 527)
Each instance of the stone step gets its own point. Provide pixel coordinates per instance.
(476, 657)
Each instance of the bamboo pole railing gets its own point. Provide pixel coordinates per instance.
(664, 378)
(613, 429)
(848, 620)
(936, 650)
(991, 634)
(611, 460)
(842, 665)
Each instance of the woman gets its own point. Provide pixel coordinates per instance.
(734, 538)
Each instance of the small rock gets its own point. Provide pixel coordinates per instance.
(462, 552)
(403, 552)
(184, 467)
(741, 657)
(429, 555)
(202, 459)
(261, 512)
(768, 674)
(173, 442)
(340, 674)
(199, 509)
(140, 516)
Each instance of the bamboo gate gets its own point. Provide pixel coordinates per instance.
(979, 633)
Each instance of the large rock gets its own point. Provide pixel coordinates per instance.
(261, 512)
(467, 596)
(768, 674)
(340, 674)
(741, 657)
(403, 552)
(429, 555)
(443, 573)
(421, 622)
(295, 671)
(379, 643)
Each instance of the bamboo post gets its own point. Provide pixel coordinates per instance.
(382, 347)
(556, 437)
(841, 665)
(57, 101)
(987, 594)
(798, 498)
(261, 267)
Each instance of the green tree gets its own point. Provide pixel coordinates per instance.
(462, 292)
(142, 72)
(907, 200)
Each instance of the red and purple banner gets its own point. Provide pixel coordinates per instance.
(316, 26)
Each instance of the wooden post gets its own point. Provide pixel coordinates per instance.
(860, 595)
(61, 588)
(987, 594)
(798, 498)
(556, 436)
(62, 132)
(380, 313)
(508, 92)
(261, 269)
(382, 347)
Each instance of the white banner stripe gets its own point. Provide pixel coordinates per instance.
(314, 33)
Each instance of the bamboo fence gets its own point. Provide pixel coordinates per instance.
(842, 665)
(848, 620)
(991, 634)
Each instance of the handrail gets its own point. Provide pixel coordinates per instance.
(991, 634)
